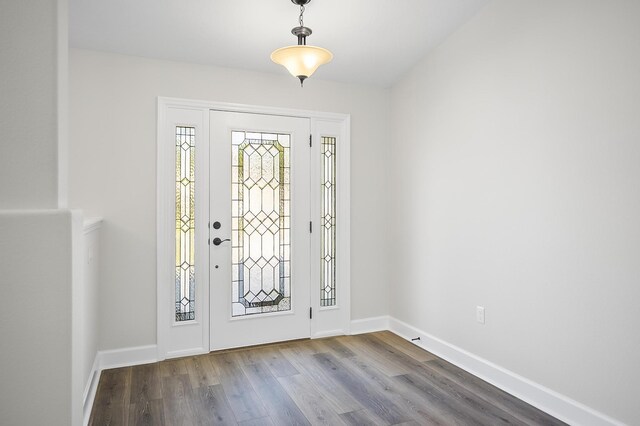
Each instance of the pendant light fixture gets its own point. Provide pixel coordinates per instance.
(301, 60)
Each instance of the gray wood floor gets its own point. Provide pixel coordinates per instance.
(369, 379)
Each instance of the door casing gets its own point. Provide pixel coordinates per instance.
(192, 337)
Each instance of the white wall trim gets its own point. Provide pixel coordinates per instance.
(127, 357)
(175, 336)
(369, 325)
(90, 390)
(104, 360)
(256, 109)
(547, 400)
(91, 224)
(78, 298)
(329, 320)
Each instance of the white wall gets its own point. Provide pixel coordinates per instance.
(29, 35)
(35, 319)
(39, 266)
(113, 171)
(40, 323)
(516, 156)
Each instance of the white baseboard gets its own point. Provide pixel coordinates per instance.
(369, 325)
(126, 357)
(113, 359)
(90, 391)
(547, 400)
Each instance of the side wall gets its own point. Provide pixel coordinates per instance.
(113, 171)
(516, 157)
(40, 271)
(35, 321)
(33, 46)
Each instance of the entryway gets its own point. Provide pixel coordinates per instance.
(253, 226)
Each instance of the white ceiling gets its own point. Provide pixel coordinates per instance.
(373, 42)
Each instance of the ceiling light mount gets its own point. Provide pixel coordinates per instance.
(302, 33)
(301, 60)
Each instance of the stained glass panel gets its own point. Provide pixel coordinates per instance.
(185, 221)
(328, 221)
(260, 235)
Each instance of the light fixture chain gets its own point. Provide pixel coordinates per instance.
(301, 60)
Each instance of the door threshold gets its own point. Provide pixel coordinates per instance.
(262, 345)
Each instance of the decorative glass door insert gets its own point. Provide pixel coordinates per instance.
(328, 221)
(260, 222)
(185, 224)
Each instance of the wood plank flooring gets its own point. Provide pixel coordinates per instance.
(368, 379)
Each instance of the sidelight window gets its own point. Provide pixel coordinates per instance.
(185, 224)
(328, 221)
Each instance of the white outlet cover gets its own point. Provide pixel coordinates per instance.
(480, 314)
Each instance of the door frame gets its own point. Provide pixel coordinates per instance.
(192, 337)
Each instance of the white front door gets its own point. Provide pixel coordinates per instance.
(260, 210)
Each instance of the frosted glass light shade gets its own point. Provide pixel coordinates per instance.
(301, 61)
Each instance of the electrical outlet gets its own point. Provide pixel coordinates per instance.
(480, 314)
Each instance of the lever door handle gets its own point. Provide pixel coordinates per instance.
(217, 241)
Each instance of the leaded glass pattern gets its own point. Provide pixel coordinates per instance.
(260, 235)
(328, 221)
(185, 223)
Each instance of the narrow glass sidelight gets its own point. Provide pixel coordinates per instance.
(328, 221)
(260, 213)
(185, 224)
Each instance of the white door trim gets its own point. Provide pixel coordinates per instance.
(176, 339)
(341, 127)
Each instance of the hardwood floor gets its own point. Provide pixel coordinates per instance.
(368, 379)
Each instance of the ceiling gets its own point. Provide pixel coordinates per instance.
(374, 42)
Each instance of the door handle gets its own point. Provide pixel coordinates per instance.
(217, 241)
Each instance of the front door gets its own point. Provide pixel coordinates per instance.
(260, 210)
